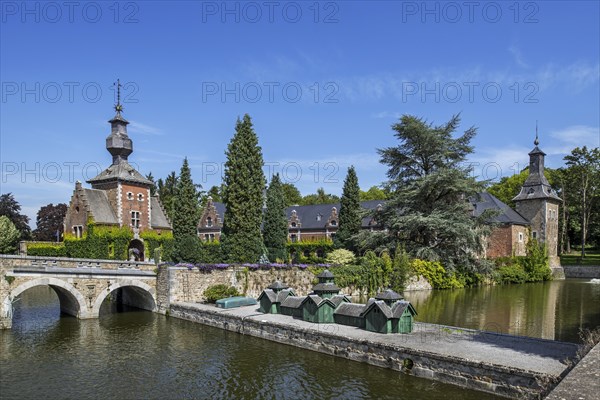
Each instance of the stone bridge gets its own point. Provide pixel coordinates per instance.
(81, 285)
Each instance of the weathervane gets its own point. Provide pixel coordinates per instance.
(536, 141)
(118, 106)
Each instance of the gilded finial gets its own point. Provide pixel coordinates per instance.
(118, 106)
(536, 141)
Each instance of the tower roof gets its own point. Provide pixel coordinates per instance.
(536, 185)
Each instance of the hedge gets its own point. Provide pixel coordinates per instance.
(46, 249)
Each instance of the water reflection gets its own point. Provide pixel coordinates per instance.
(551, 310)
(138, 354)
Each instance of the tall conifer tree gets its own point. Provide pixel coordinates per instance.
(275, 227)
(350, 216)
(243, 195)
(185, 216)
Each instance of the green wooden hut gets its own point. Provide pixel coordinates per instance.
(326, 288)
(380, 317)
(320, 310)
(350, 314)
(292, 306)
(271, 298)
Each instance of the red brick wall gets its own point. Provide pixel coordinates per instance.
(129, 205)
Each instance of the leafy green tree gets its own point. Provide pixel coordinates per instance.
(50, 222)
(291, 194)
(12, 209)
(185, 213)
(244, 195)
(584, 166)
(428, 211)
(320, 198)
(275, 227)
(374, 193)
(9, 236)
(350, 212)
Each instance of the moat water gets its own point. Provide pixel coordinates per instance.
(132, 354)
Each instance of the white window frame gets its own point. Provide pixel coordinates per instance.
(136, 219)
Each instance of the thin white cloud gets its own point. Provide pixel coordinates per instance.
(138, 127)
(518, 57)
(574, 136)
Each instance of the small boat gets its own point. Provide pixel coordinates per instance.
(238, 301)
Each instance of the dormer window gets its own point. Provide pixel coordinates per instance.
(319, 216)
(129, 196)
(293, 225)
(333, 223)
(140, 197)
(209, 222)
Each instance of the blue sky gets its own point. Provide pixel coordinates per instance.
(322, 81)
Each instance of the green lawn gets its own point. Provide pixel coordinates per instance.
(592, 257)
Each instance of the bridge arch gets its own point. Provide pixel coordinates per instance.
(138, 294)
(71, 300)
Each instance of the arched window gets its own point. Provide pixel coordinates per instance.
(333, 223)
(293, 224)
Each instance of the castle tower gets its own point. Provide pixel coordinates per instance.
(538, 203)
(128, 191)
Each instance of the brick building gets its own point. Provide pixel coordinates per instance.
(536, 216)
(119, 196)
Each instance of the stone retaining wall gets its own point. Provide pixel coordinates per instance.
(470, 374)
(579, 271)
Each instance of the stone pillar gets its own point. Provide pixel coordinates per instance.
(163, 289)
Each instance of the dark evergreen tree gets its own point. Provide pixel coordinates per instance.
(350, 212)
(243, 195)
(429, 210)
(166, 192)
(185, 214)
(50, 222)
(12, 209)
(153, 187)
(275, 227)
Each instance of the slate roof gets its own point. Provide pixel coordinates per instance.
(485, 201)
(159, 218)
(278, 297)
(388, 294)
(399, 307)
(339, 299)
(278, 285)
(325, 274)
(308, 214)
(99, 206)
(292, 301)
(350, 309)
(122, 171)
(390, 312)
(326, 287)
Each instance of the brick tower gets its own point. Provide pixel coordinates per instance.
(538, 203)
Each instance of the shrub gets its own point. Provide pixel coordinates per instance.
(513, 273)
(535, 263)
(340, 257)
(436, 274)
(46, 249)
(217, 292)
